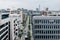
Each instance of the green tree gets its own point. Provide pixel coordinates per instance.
(28, 35)
(19, 35)
(29, 27)
(21, 30)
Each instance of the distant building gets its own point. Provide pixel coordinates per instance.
(34, 12)
(46, 27)
(54, 13)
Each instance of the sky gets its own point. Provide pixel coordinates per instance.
(30, 4)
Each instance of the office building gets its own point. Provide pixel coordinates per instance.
(4, 26)
(15, 25)
(46, 27)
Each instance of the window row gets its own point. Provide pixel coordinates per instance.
(47, 26)
(4, 34)
(3, 30)
(47, 37)
(5, 16)
(15, 24)
(5, 38)
(3, 25)
(47, 31)
(47, 21)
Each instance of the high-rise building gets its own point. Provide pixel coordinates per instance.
(4, 26)
(21, 17)
(9, 25)
(46, 27)
(15, 25)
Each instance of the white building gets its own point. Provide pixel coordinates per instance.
(4, 26)
(46, 27)
(20, 13)
(15, 25)
(10, 24)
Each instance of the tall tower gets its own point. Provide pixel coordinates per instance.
(39, 7)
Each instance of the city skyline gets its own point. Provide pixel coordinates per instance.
(30, 4)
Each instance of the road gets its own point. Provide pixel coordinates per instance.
(25, 29)
(31, 29)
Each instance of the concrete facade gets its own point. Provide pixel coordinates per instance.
(4, 26)
(46, 27)
(15, 26)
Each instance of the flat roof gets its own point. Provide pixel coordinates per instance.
(46, 17)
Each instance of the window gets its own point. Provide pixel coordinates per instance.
(3, 25)
(5, 37)
(44, 37)
(46, 26)
(58, 27)
(4, 34)
(16, 33)
(5, 16)
(14, 21)
(16, 29)
(4, 30)
(35, 26)
(48, 32)
(39, 21)
(35, 36)
(40, 26)
(35, 21)
(15, 24)
(54, 32)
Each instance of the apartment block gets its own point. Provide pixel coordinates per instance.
(4, 26)
(15, 25)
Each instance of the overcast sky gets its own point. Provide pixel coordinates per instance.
(30, 4)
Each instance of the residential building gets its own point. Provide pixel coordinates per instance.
(21, 15)
(4, 26)
(46, 27)
(15, 25)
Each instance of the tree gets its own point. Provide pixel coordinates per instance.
(29, 27)
(21, 30)
(28, 35)
(19, 35)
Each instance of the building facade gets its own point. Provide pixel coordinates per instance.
(46, 27)
(4, 26)
(15, 25)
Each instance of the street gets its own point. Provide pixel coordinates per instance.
(25, 29)
(31, 29)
